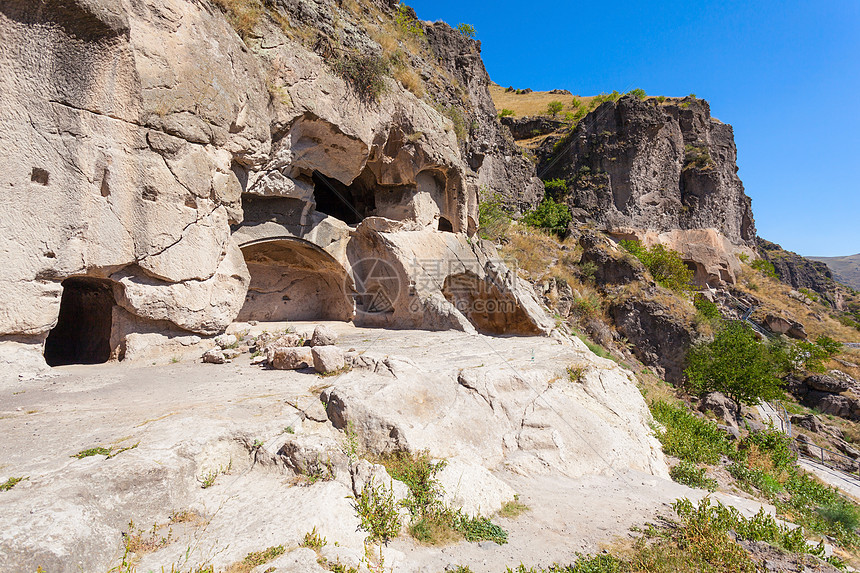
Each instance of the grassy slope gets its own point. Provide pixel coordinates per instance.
(534, 103)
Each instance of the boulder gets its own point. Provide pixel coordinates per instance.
(327, 359)
(323, 336)
(285, 341)
(611, 266)
(291, 358)
(809, 422)
(777, 324)
(724, 407)
(214, 356)
(832, 404)
(824, 383)
(473, 489)
(226, 340)
(797, 331)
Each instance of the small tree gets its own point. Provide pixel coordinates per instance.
(467, 30)
(736, 364)
(554, 108)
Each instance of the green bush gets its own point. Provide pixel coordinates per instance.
(467, 30)
(378, 512)
(364, 73)
(556, 189)
(689, 438)
(697, 157)
(765, 267)
(493, 219)
(638, 92)
(506, 112)
(554, 108)
(604, 97)
(665, 265)
(831, 347)
(549, 215)
(705, 307)
(734, 363)
(407, 23)
(693, 476)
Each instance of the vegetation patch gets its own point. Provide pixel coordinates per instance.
(378, 512)
(549, 215)
(365, 73)
(697, 157)
(665, 265)
(692, 475)
(493, 219)
(11, 482)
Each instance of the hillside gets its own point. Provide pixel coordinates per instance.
(845, 269)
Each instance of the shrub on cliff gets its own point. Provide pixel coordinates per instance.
(364, 73)
(665, 265)
(554, 108)
(493, 219)
(734, 363)
(549, 215)
(467, 30)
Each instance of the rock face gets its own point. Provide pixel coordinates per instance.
(659, 338)
(800, 272)
(652, 166)
(173, 176)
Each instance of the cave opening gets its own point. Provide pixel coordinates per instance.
(445, 225)
(83, 330)
(292, 279)
(350, 203)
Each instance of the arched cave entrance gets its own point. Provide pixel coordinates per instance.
(292, 279)
(82, 334)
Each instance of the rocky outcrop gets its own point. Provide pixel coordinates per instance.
(654, 166)
(800, 272)
(158, 158)
(490, 151)
(528, 127)
(659, 338)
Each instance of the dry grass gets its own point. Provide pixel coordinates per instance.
(534, 103)
(409, 80)
(815, 317)
(243, 15)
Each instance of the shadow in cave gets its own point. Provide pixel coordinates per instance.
(82, 334)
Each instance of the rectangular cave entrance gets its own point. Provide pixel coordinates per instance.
(82, 334)
(351, 204)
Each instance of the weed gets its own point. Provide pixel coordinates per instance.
(351, 445)
(575, 373)
(313, 540)
(12, 482)
(506, 112)
(318, 470)
(513, 508)
(243, 15)
(257, 558)
(697, 157)
(765, 267)
(289, 430)
(207, 480)
(688, 474)
(97, 451)
(365, 73)
(378, 512)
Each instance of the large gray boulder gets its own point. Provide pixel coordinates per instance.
(825, 383)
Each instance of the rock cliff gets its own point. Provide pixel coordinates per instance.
(800, 272)
(656, 166)
(166, 157)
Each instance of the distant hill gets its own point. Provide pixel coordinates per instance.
(845, 269)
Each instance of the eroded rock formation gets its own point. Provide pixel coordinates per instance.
(662, 173)
(151, 148)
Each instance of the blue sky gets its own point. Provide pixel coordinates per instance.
(786, 75)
